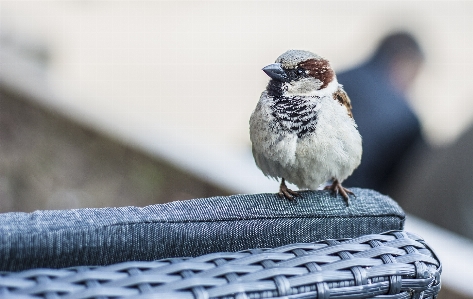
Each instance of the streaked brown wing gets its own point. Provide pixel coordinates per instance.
(341, 96)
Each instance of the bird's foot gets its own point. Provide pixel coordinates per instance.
(337, 187)
(284, 191)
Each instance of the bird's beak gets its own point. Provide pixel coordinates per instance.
(276, 72)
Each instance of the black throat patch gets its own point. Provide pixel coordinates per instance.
(294, 114)
(274, 88)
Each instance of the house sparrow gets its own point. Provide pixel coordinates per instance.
(302, 129)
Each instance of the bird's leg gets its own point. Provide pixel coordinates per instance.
(337, 187)
(286, 192)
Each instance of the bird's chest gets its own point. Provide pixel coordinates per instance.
(296, 115)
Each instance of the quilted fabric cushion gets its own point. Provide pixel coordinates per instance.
(65, 238)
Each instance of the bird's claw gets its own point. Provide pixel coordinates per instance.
(284, 191)
(288, 193)
(337, 187)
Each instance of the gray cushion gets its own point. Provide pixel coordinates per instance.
(64, 238)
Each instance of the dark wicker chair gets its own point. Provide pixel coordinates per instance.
(390, 265)
(394, 264)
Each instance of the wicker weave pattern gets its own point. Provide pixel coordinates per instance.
(390, 265)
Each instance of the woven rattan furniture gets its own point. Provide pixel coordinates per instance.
(390, 265)
(192, 249)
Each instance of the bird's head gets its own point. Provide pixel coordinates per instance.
(298, 72)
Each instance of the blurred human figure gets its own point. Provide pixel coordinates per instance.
(387, 124)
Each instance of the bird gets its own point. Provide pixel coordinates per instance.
(302, 130)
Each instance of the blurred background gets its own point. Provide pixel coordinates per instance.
(114, 103)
